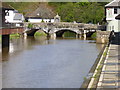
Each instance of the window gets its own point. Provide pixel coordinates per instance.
(115, 10)
(6, 14)
(112, 27)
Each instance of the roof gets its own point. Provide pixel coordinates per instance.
(57, 15)
(5, 6)
(37, 18)
(43, 11)
(117, 17)
(18, 16)
(114, 3)
(33, 17)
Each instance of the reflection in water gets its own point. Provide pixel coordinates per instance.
(5, 53)
(41, 63)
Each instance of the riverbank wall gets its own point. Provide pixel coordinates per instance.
(105, 73)
(93, 76)
(91, 80)
(103, 36)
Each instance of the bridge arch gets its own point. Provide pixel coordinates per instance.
(60, 32)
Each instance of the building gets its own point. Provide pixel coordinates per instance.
(43, 13)
(38, 19)
(113, 16)
(10, 17)
(118, 17)
(13, 16)
(3, 14)
(57, 18)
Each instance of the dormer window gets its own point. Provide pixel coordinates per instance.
(115, 10)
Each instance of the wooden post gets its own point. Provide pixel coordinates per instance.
(5, 43)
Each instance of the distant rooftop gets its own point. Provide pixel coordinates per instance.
(114, 3)
(43, 11)
(5, 6)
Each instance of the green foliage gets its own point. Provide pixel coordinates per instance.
(93, 35)
(30, 25)
(69, 34)
(85, 78)
(0, 37)
(14, 36)
(40, 34)
(105, 54)
(42, 20)
(84, 12)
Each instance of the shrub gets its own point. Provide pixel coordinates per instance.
(30, 25)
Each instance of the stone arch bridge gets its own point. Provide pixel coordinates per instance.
(57, 29)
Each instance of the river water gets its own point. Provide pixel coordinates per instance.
(41, 63)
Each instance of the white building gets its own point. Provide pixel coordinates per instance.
(38, 19)
(13, 16)
(112, 11)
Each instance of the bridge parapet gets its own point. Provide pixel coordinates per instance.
(80, 26)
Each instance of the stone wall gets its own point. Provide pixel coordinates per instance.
(103, 36)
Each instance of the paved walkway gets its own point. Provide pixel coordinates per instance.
(110, 75)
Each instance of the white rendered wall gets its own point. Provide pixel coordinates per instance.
(46, 20)
(40, 20)
(119, 26)
(10, 17)
(110, 13)
(113, 25)
(52, 20)
(35, 20)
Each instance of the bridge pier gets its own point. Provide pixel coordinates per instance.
(52, 35)
(84, 34)
(103, 36)
(78, 36)
(25, 34)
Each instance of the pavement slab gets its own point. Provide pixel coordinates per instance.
(110, 75)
